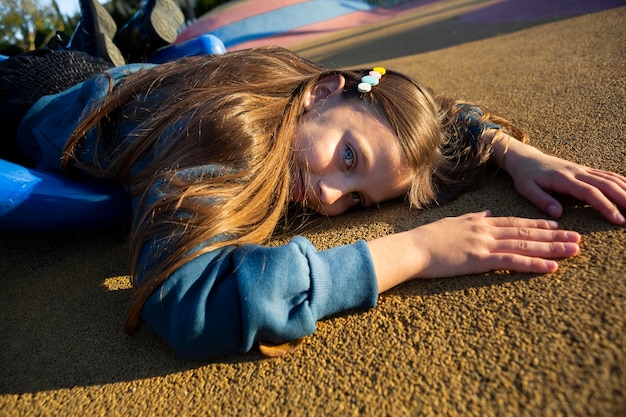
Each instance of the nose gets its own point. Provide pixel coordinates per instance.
(330, 191)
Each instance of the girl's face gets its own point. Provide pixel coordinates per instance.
(346, 155)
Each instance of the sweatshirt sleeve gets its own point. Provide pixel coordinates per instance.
(230, 299)
(52, 119)
(470, 117)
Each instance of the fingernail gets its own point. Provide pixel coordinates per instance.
(553, 224)
(571, 247)
(552, 265)
(574, 235)
(619, 217)
(553, 210)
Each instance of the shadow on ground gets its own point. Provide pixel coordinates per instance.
(434, 25)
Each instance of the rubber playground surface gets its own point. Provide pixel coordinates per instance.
(497, 344)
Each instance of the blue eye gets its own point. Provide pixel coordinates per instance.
(348, 156)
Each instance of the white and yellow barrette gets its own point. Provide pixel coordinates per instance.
(371, 80)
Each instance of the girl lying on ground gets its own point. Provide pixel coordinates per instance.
(213, 150)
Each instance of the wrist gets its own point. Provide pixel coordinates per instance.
(507, 151)
(397, 258)
(500, 144)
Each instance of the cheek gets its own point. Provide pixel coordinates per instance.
(330, 211)
(334, 211)
(314, 147)
(304, 159)
(312, 156)
(302, 145)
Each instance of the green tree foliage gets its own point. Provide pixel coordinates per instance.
(27, 24)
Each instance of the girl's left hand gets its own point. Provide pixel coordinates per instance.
(536, 174)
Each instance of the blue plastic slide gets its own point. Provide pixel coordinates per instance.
(205, 44)
(38, 201)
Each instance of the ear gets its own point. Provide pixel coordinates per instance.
(328, 87)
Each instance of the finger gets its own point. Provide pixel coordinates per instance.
(601, 189)
(536, 249)
(613, 194)
(520, 263)
(533, 257)
(543, 200)
(521, 222)
(535, 234)
(612, 177)
(592, 195)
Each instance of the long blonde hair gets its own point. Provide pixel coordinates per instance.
(233, 117)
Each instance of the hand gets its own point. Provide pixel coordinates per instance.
(470, 244)
(536, 174)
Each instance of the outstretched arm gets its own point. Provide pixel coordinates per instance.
(470, 244)
(536, 175)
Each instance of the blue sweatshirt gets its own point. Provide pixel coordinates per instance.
(230, 299)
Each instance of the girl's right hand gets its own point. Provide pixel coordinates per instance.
(471, 244)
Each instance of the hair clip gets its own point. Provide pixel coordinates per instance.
(371, 80)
